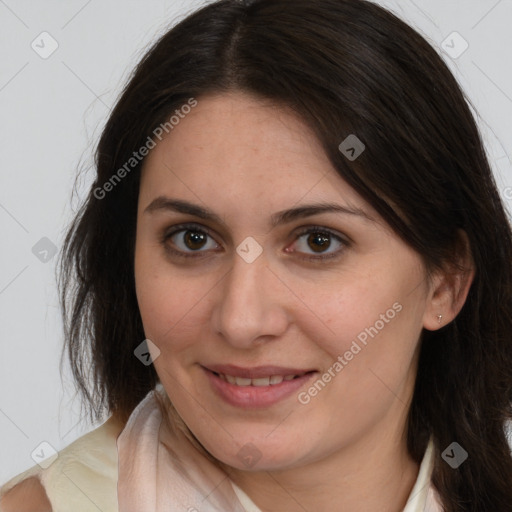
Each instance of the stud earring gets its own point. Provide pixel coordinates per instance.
(439, 318)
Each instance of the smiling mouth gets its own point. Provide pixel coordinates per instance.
(256, 387)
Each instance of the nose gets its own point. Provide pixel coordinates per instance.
(251, 304)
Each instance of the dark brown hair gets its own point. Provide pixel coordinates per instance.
(346, 67)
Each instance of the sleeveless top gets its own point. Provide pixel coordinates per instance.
(146, 468)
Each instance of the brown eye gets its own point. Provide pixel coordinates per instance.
(194, 240)
(319, 242)
(185, 240)
(316, 243)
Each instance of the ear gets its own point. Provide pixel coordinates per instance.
(450, 286)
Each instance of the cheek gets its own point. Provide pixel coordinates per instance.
(165, 308)
(374, 318)
(171, 301)
(159, 303)
(370, 358)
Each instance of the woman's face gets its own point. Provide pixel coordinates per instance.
(255, 260)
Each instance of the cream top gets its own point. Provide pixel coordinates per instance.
(114, 468)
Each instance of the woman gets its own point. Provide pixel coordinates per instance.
(294, 278)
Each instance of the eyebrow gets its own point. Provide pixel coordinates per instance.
(163, 203)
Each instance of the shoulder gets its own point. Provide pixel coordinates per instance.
(27, 496)
(89, 465)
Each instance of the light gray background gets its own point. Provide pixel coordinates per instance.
(52, 111)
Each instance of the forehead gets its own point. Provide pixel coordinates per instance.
(244, 148)
(237, 127)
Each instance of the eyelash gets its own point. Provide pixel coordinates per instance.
(304, 231)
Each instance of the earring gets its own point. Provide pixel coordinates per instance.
(439, 318)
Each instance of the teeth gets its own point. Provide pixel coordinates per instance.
(229, 378)
(262, 381)
(276, 379)
(242, 381)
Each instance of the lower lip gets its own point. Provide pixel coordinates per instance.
(254, 397)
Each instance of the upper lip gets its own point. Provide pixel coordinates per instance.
(255, 372)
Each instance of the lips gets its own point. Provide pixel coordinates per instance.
(257, 387)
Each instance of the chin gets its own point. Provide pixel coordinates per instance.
(258, 456)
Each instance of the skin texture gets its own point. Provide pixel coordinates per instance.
(27, 496)
(245, 160)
